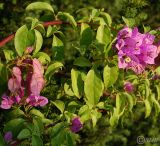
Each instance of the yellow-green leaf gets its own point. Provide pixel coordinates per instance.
(39, 6)
(93, 87)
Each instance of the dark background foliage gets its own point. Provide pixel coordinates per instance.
(146, 12)
(12, 12)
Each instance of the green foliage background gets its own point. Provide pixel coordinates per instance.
(146, 12)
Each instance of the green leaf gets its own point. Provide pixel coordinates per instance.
(39, 6)
(107, 18)
(156, 104)
(38, 128)
(158, 91)
(41, 29)
(15, 113)
(95, 115)
(69, 139)
(57, 48)
(15, 126)
(20, 40)
(77, 83)
(60, 139)
(4, 80)
(157, 70)
(86, 35)
(114, 75)
(148, 108)
(49, 31)
(103, 35)
(106, 76)
(57, 129)
(130, 22)
(84, 113)
(38, 42)
(37, 113)
(146, 28)
(82, 62)
(93, 87)
(95, 13)
(52, 69)
(25, 133)
(2, 142)
(130, 99)
(68, 90)
(30, 38)
(118, 103)
(36, 141)
(9, 54)
(35, 22)
(43, 57)
(59, 104)
(114, 118)
(69, 17)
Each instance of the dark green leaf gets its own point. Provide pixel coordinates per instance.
(59, 104)
(15, 126)
(52, 69)
(25, 133)
(86, 35)
(2, 142)
(36, 141)
(82, 61)
(58, 49)
(69, 139)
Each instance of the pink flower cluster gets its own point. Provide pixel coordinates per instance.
(25, 91)
(135, 50)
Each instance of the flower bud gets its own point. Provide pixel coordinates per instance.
(128, 87)
(76, 125)
(8, 136)
(29, 50)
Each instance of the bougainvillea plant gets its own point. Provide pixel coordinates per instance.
(64, 72)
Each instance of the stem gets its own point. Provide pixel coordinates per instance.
(6, 40)
(45, 24)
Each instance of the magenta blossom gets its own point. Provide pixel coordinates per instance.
(31, 86)
(37, 83)
(8, 136)
(14, 83)
(128, 87)
(76, 124)
(6, 102)
(36, 100)
(37, 80)
(135, 50)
